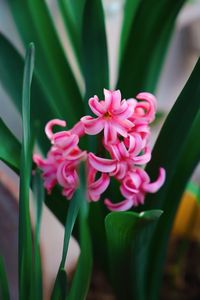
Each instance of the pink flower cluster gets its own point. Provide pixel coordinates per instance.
(125, 127)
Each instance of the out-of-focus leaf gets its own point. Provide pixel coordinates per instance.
(72, 213)
(74, 207)
(4, 289)
(9, 148)
(11, 72)
(127, 235)
(25, 239)
(178, 151)
(95, 56)
(38, 192)
(52, 67)
(81, 279)
(130, 8)
(146, 45)
(72, 12)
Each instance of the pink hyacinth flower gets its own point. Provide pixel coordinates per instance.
(112, 116)
(49, 169)
(67, 177)
(123, 158)
(145, 109)
(96, 187)
(66, 142)
(134, 187)
(62, 159)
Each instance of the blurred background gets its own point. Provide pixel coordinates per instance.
(183, 52)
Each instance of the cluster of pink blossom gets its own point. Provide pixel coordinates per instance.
(125, 126)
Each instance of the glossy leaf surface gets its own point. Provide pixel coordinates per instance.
(127, 234)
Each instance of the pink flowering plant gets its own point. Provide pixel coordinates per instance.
(94, 166)
(125, 140)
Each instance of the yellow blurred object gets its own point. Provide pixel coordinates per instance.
(187, 221)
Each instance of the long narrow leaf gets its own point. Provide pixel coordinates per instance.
(52, 68)
(25, 240)
(11, 63)
(148, 38)
(38, 191)
(9, 148)
(95, 57)
(72, 12)
(70, 221)
(130, 8)
(4, 289)
(81, 279)
(72, 214)
(178, 150)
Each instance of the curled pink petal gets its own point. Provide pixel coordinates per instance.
(120, 170)
(38, 160)
(77, 155)
(68, 179)
(50, 124)
(96, 106)
(101, 164)
(148, 105)
(144, 158)
(66, 142)
(92, 126)
(108, 98)
(120, 206)
(78, 129)
(110, 134)
(98, 187)
(148, 97)
(116, 99)
(156, 185)
(124, 110)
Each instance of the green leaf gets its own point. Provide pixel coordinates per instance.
(38, 191)
(95, 56)
(81, 279)
(127, 235)
(10, 148)
(146, 45)
(72, 214)
(130, 9)
(72, 12)
(12, 63)
(178, 151)
(60, 286)
(4, 289)
(25, 239)
(52, 67)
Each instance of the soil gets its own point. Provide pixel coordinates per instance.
(182, 272)
(181, 276)
(99, 287)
